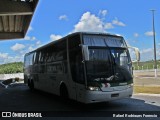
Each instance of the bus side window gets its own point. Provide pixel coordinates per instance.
(39, 57)
(33, 58)
(26, 61)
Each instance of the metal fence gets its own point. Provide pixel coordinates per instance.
(145, 67)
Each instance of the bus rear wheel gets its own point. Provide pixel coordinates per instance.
(31, 85)
(64, 92)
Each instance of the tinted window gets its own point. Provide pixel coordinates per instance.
(75, 58)
(55, 52)
(29, 59)
(104, 40)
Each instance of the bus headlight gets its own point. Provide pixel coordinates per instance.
(91, 88)
(130, 85)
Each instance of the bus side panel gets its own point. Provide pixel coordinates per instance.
(25, 69)
(25, 76)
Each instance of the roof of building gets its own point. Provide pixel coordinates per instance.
(15, 17)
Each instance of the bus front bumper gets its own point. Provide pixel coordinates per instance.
(99, 96)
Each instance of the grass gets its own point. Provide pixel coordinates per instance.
(145, 65)
(147, 89)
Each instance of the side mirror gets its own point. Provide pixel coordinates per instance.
(137, 53)
(85, 52)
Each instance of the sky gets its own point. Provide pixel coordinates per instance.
(54, 19)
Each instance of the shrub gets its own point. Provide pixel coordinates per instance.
(10, 68)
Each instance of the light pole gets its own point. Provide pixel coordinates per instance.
(155, 62)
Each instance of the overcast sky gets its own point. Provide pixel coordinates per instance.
(54, 19)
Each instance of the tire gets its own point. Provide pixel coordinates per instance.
(28, 82)
(31, 85)
(64, 92)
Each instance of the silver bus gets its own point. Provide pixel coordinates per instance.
(86, 67)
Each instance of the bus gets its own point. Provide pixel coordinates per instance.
(84, 66)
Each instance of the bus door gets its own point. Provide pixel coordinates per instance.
(79, 77)
(76, 67)
(72, 75)
(77, 73)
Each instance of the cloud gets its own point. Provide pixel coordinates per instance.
(6, 58)
(30, 28)
(27, 38)
(108, 26)
(19, 51)
(149, 33)
(118, 23)
(30, 48)
(30, 38)
(17, 47)
(89, 22)
(22, 52)
(3, 55)
(136, 35)
(146, 54)
(103, 12)
(38, 43)
(148, 50)
(33, 38)
(92, 23)
(63, 17)
(11, 59)
(55, 37)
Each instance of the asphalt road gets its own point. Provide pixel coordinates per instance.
(146, 73)
(18, 98)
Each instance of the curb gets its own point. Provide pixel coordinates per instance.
(3, 85)
(146, 85)
(10, 82)
(146, 94)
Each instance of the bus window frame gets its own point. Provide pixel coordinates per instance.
(75, 47)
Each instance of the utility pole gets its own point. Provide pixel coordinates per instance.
(155, 61)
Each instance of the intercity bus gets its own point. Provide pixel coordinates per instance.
(84, 66)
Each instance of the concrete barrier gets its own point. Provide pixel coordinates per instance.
(8, 76)
(150, 70)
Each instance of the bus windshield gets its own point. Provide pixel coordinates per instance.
(108, 65)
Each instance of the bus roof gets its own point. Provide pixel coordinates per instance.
(73, 34)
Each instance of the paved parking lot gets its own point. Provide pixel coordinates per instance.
(146, 78)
